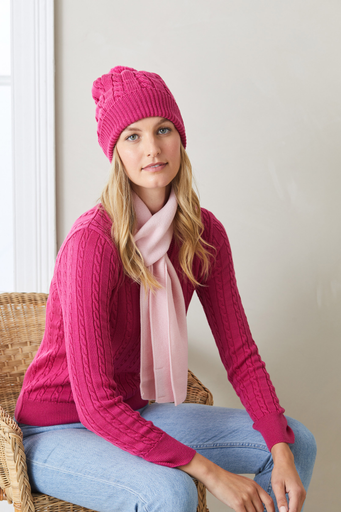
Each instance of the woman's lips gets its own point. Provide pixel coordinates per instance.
(154, 168)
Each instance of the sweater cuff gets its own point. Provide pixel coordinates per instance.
(274, 429)
(170, 452)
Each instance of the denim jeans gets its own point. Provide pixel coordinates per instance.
(75, 465)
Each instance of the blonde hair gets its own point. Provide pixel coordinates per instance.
(116, 199)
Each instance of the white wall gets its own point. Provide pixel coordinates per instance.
(6, 177)
(6, 507)
(258, 84)
(6, 205)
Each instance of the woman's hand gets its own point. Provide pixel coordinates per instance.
(238, 492)
(285, 479)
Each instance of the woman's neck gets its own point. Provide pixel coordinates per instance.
(153, 198)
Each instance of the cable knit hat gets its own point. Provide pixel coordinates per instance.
(125, 95)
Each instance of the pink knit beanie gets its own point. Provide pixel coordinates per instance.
(125, 95)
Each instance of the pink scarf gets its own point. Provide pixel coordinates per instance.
(164, 345)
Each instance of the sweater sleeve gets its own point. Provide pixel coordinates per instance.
(239, 354)
(87, 278)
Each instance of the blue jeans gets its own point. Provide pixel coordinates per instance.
(75, 465)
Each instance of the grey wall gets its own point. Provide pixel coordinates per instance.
(258, 84)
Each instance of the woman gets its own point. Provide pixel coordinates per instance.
(116, 337)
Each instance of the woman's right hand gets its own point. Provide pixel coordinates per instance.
(238, 492)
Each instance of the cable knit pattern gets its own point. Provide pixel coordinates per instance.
(125, 95)
(88, 365)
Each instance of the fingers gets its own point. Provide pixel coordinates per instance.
(254, 501)
(285, 479)
(240, 493)
(296, 499)
(245, 505)
(267, 500)
(297, 495)
(279, 491)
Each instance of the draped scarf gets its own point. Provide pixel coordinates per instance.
(164, 343)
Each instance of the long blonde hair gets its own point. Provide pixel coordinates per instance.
(116, 199)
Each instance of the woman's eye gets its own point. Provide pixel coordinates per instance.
(164, 130)
(130, 137)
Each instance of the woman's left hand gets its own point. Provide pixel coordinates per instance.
(285, 479)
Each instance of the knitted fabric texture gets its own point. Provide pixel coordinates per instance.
(164, 344)
(87, 368)
(125, 95)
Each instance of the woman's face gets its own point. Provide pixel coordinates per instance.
(150, 152)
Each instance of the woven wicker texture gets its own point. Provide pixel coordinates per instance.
(22, 325)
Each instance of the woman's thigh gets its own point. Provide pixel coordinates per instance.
(75, 465)
(227, 437)
(223, 435)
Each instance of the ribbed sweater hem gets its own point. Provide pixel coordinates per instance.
(274, 429)
(45, 413)
(175, 457)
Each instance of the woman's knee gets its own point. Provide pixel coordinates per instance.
(305, 443)
(304, 450)
(178, 492)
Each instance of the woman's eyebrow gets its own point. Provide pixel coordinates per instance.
(132, 129)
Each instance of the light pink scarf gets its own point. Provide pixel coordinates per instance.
(164, 345)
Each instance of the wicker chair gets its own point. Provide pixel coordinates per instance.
(22, 324)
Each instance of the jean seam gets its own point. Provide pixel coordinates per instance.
(90, 478)
(268, 490)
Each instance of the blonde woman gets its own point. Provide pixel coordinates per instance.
(116, 338)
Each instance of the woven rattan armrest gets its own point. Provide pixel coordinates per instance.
(13, 472)
(14, 482)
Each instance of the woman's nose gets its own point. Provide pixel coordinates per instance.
(152, 147)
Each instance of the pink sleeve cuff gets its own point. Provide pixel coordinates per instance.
(170, 452)
(274, 429)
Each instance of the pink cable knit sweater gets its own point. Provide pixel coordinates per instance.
(87, 367)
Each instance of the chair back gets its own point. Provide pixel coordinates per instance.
(22, 325)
